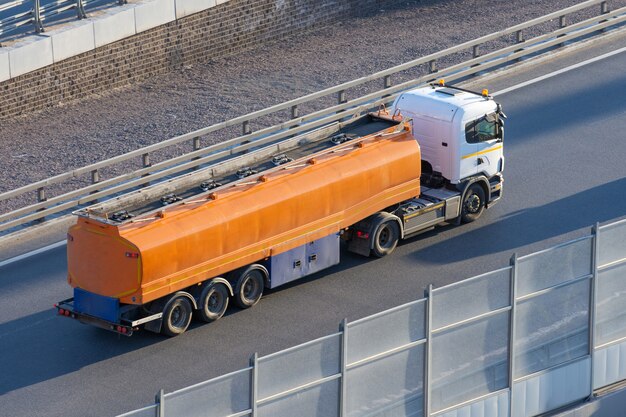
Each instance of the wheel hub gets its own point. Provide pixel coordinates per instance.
(249, 288)
(177, 317)
(472, 203)
(384, 237)
(213, 302)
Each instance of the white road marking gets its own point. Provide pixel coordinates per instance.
(33, 253)
(561, 71)
(506, 90)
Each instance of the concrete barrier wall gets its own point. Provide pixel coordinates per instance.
(133, 42)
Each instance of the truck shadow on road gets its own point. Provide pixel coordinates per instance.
(524, 227)
(42, 346)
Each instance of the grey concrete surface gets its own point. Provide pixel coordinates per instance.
(565, 170)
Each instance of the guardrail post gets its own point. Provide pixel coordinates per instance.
(475, 54)
(519, 38)
(432, 66)
(604, 7)
(95, 178)
(387, 84)
(246, 131)
(41, 197)
(160, 402)
(428, 293)
(387, 81)
(295, 113)
(595, 231)
(254, 381)
(475, 51)
(41, 194)
(80, 9)
(145, 161)
(246, 128)
(196, 147)
(343, 328)
(341, 97)
(513, 297)
(37, 16)
(562, 24)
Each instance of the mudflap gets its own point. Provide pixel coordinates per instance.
(359, 246)
(153, 326)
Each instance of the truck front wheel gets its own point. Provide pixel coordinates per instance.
(473, 203)
(249, 287)
(213, 302)
(176, 316)
(386, 237)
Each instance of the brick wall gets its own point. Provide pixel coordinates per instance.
(216, 32)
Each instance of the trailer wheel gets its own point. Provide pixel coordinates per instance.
(249, 287)
(385, 238)
(213, 302)
(473, 203)
(176, 316)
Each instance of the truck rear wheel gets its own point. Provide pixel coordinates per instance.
(473, 203)
(213, 302)
(386, 237)
(176, 316)
(249, 287)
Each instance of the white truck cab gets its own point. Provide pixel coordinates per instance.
(460, 133)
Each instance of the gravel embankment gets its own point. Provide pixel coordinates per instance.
(69, 136)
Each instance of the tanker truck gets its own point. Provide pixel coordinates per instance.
(277, 213)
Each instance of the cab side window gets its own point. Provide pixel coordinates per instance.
(481, 130)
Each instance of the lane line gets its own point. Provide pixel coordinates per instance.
(561, 71)
(506, 90)
(33, 253)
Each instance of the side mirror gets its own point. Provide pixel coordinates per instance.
(500, 138)
(500, 112)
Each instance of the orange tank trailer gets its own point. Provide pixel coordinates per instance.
(264, 215)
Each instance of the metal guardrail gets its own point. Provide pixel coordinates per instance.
(24, 14)
(541, 310)
(198, 156)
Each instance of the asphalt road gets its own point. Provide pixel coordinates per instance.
(565, 170)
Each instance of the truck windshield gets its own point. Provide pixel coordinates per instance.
(483, 129)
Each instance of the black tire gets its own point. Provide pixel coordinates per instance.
(385, 238)
(213, 302)
(249, 287)
(473, 203)
(176, 316)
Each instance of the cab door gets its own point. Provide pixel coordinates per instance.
(485, 133)
(468, 151)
